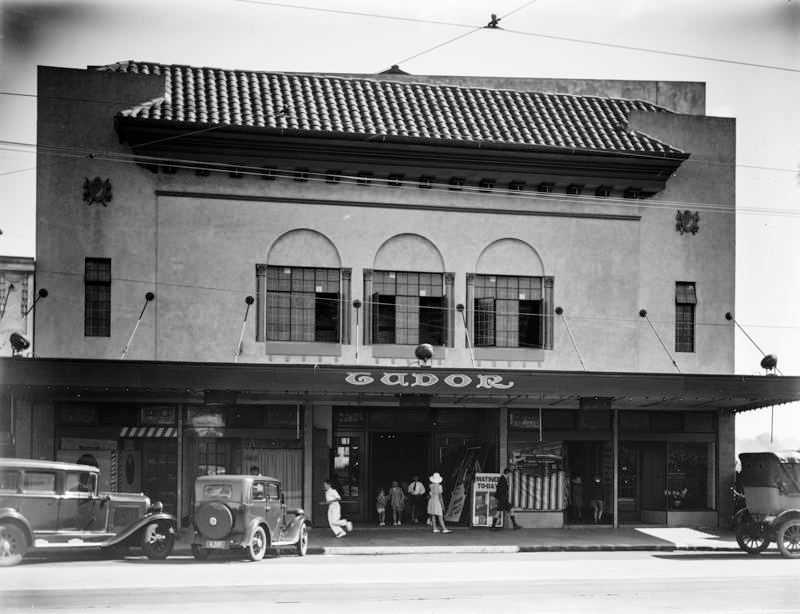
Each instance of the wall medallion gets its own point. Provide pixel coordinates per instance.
(686, 221)
(97, 191)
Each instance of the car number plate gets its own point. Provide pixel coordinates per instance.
(216, 544)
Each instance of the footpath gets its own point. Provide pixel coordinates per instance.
(419, 539)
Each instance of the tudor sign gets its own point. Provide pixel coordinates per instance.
(422, 379)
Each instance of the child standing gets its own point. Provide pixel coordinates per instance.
(398, 500)
(380, 506)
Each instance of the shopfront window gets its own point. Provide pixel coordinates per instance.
(690, 476)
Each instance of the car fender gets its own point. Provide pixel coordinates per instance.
(783, 516)
(9, 513)
(247, 537)
(291, 532)
(742, 516)
(139, 525)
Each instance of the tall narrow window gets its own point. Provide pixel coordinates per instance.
(509, 312)
(685, 302)
(298, 304)
(408, 308)
(97, 297)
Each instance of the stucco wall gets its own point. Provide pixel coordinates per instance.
(199, 254)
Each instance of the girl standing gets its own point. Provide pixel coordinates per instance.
(436, 503)
(398, 500)
(335, 519)
(380, 507)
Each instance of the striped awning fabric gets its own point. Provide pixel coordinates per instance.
(148, 431)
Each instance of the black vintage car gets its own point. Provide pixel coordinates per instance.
(48, 505)
(771, 484)
(247, 513)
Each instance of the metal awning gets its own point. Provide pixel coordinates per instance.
(242, 383)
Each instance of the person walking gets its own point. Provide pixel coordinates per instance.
(416, 492)
(397, 498)
(503, 503)
(436, 503)
(335, 519)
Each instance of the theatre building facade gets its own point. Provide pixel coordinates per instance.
(374, 277)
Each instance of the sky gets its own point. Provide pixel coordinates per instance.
(746, 51)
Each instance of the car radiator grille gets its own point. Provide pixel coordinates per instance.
(123, 516)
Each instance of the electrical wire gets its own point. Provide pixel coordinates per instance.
(265, 293)
(531, 34)
(187, 164)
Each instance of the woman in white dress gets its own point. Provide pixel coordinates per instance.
(436, 503)
(335, 519)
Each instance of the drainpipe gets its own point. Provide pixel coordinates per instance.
(615, 479)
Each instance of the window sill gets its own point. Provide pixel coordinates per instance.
(493, 353)
(300, 348)
(390, 350)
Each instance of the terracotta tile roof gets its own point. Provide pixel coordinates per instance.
(361, 106)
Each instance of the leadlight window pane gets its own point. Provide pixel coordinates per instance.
(408, 307)
(302, 304)
(97, 297)
(685, 306)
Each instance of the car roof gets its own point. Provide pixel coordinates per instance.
(233, 477)
(28, 463)
(785, 456)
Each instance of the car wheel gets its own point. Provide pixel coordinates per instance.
(750, 539)
(158, 541)
(302, 541)
(788, 538)
(258, 545)
(199, 553)
(13, 545)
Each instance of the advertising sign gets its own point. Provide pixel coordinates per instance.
(456, 505)
(484, 505)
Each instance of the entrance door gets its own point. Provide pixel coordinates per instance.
(396, 457)
(653, 482)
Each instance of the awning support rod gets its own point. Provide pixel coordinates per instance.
(729, 316)
(560, 312)
(147, 298)
(643, 314)
(249, 300)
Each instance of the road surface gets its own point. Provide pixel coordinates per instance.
(623, 582)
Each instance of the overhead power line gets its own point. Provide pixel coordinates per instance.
(320, 177)
(531, 34)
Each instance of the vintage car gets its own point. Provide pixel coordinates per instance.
(48, 505)
(771, 484)
(245, 512)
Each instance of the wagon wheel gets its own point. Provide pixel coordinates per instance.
(158, 541)
(302, 541)
(258, 545)
(788, 538)
(750, 539)
(13, 545)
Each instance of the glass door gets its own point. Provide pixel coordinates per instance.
(347, 468)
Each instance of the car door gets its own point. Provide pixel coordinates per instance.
(39, 500)
(274, 510)
(80, 509)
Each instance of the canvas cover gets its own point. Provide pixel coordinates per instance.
(781, 469)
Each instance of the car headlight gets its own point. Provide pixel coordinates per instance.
(156, 508)
(300, 511)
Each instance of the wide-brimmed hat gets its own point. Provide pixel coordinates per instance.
(436, 478)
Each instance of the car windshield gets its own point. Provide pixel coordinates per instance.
(217, 491)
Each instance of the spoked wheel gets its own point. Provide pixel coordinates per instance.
(788, 538)
(13, 545)
(258, 545)
(751, 540)
(199, 553)
(302, 541)
(158, 541)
